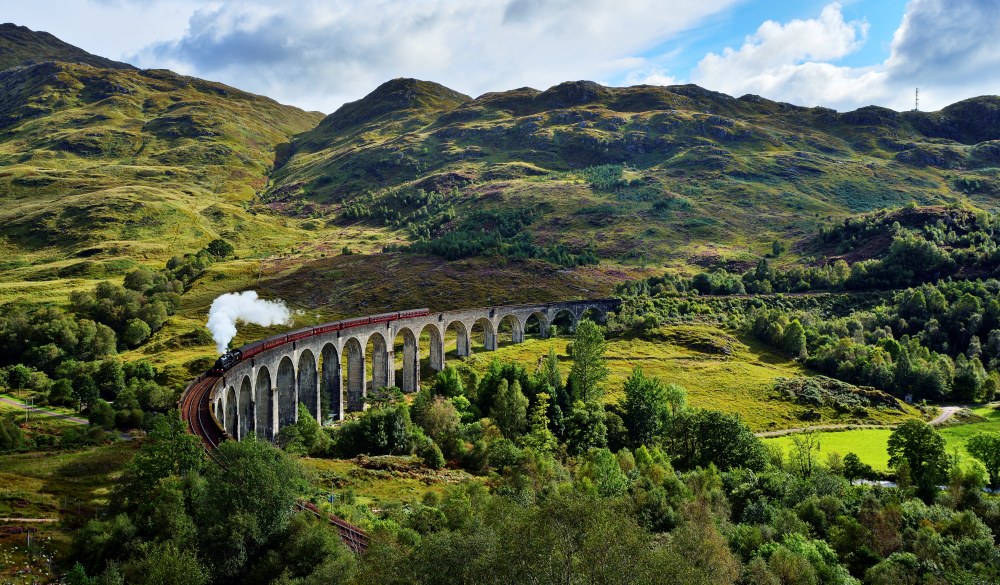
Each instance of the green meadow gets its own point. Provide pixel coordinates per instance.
(719, 369)
(871, 444)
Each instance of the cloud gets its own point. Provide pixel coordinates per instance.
(321, 54)
(650, 76)
(791, 62)
(948, 49)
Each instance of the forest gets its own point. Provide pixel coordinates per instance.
(562, 489)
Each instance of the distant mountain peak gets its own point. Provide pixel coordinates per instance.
(395, 96)
(19, 45)
(572, 93)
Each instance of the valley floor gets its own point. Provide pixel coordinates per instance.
(871, 444)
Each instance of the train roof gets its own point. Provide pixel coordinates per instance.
(262, 341)
(380, 315)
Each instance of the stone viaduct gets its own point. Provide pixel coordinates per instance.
(331, 372)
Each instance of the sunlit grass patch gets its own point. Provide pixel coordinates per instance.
(868, 444)
(719, 369)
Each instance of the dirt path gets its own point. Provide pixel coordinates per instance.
(42, 411)
(946, 413)
(2, 520)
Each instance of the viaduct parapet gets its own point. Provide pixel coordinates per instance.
(331, 373)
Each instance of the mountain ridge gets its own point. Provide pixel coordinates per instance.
(672, 175)
(19, 45)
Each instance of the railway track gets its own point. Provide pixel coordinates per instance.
(196, 410)
(351, 535)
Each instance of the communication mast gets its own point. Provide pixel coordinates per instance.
(916, 100)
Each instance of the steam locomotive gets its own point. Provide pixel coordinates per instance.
(235, 356)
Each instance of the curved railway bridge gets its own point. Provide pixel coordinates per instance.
(256, 389)
(330, 368)
(195, 409)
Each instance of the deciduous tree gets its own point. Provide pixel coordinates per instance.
(585, 428)
(985, 446)
(589, 368)
(647, 408)
(918, 448)
(510, 409)
(169, 450)
(855, 469)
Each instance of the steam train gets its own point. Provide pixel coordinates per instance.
(235, 356)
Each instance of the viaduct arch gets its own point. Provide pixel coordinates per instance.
(328, 373)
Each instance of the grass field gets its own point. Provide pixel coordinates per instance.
(720, 370)
(384, 480)
(68, 486)
(958, 435)
(870, 444)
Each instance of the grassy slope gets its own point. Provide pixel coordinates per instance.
(378, 488)
(66, 485)
(20, 45)
(102, 169)
(691, 355)
(958, 435)
(867, 444)
(738, 172)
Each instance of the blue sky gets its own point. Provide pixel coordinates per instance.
(319, 54)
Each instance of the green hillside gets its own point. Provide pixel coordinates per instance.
(102, 161)
(102, 165)
(778, 267)
(638, 173)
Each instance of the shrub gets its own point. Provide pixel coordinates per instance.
(429, 452)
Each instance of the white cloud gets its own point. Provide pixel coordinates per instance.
(321, 54)
(790, 61)
(650, 76)
(949, 49)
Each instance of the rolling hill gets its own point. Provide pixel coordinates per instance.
(105, 162)
(641, 173)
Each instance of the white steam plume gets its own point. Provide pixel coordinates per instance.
(229, 308)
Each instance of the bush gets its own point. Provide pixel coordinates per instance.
(377, 431)
(220, 248)
(605, 177)
(429, 452)
(11, 436)
(101, 414)
(136, 332)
